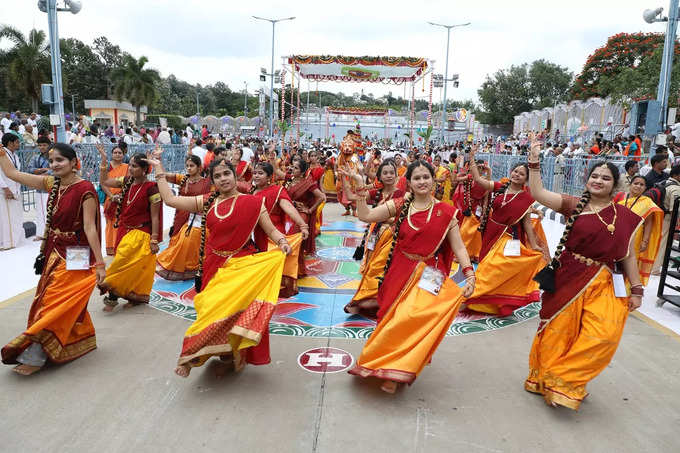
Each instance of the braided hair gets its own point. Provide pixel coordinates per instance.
(403, 213)
(359, 251)
(182, 184)
(39, 264)
(487, 209)
(68, 152)
(546, 277)
(198, 279)
(127, 182)
(467, 197)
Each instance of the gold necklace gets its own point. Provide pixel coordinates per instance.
(412, 207)
(132, 199)
(231, 209)
(505, 195)
(611, 227)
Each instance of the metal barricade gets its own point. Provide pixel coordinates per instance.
(173, 156)
(564, 175)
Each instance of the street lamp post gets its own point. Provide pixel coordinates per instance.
(57, 98)
(663, 89)
(271, 81)
(245, 100)
(446, 70)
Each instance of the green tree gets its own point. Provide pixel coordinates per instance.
(135, 83)
(517, 89)
(83, 73)
(426, 134)
(641, 82)
(28, 62)
(622, 51)
(111, 56)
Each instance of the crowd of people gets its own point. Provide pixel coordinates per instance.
(247, 215)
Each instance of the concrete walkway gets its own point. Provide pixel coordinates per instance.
(124, 397)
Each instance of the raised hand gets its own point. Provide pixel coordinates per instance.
(534, 148)
(102, 151)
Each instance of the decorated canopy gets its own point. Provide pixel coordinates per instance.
(365, 111)
(358, 69)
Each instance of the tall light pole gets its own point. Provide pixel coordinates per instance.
(446, 70)
(245, 100)
(271, 75)
(57, 92)
(654, 15)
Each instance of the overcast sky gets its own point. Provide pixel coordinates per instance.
(215, 40)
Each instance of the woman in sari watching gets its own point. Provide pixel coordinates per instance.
(417, 301)
(139, 221)
(243, 171)
(648, 238)
(237, 287)
(70, 264)
(306, 198)
(376, 242)
(117, 169)
(511, 255)
(280, 208)
(180, 260)
(585, 302)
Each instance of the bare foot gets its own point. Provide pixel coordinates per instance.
(108, 308)
(26, 370)
(240, 362)
(389, 386)
(222, 368)
(182, 371)
(128, 305)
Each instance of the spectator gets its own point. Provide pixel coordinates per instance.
(5, 122)
(657, 174)
(189, 131)
(11, 213)
(631, 167)
(672, 192)
(197, 150)
(40, 165)
(163, 137)
(124, 147)
(29, 136)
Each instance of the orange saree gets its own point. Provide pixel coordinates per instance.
(58, 320)
(110, 208)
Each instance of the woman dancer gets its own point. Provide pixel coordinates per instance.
(418, 301)
(238, 287)
(180, 260)
(117, 169)
(511, 255)
(138, 219)
(243, 171)
(472, 200)
(648, 238)
(442, 177)
(279, 205)
(70, 264)
(585, 304)
(376, 243)
(306, 198)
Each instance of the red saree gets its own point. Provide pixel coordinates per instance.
(302, 194)
(58, 319)
(507, 212)
(271, 196)
(427, 243)
(200, 187)
(136, 211)
(588, 240)
(244, 172)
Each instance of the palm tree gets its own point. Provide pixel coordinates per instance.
(29, 62)
(135, 84)
(426, 136)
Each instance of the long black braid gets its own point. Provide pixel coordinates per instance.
(39, 263)
(487, 209)
(198, 280)
(546, 277)
(359, 251)
(467, 197)
(402, 215)
(127, 182)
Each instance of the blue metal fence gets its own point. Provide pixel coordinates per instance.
(568, 175)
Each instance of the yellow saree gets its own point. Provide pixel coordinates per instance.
(650, 212)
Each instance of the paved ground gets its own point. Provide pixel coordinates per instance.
(124, 397)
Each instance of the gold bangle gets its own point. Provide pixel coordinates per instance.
(103, 167)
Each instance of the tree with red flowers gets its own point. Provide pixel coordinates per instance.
(622, 51)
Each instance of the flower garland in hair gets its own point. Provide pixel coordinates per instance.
(402, 215)
(487, 209)
(127, 182)
(39, 263)
(198, 280)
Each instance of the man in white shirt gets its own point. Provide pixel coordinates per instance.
(198, 151)
(163, 137)
(5, 122)
(32, 120)
(189, 131)
(11, 213)
(247, 154)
